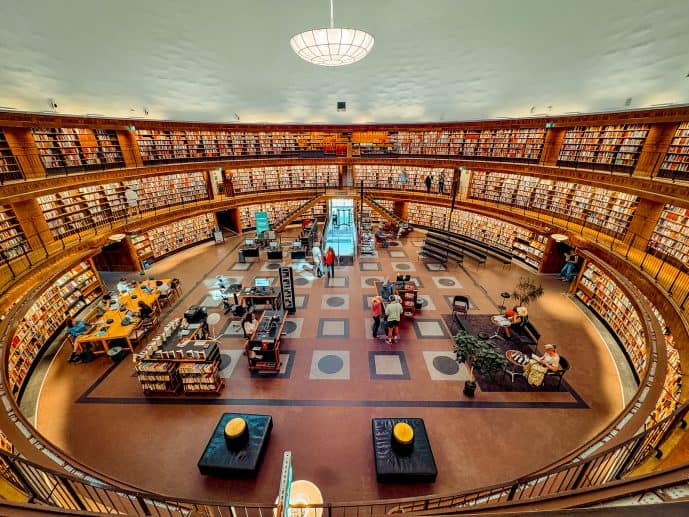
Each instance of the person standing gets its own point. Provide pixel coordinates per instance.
(403, 180)
(330, 262)
(441, 184)
(428, 181)
(376, 312)
(393, 314)
(567, 271)
(317, 259)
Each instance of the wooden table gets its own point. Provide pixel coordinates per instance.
(107, 332)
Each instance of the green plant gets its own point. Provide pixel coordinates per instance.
(480, 354)
(527, 291)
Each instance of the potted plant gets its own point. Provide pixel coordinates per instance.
(527, 291)
(480, 355)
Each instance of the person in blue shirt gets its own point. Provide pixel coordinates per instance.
(76, 329)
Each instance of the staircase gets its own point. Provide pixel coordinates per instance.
(282, 224)
(383, 212)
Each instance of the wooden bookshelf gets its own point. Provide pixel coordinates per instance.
(169, 238)
(676, 162)
(609, 210)
(388, 177)
(427, 215)
(13, 242)
(670, 237)
(513, 144)
(84, 149)
(368, 143)
(179, 189)
(74, 290)
(9, 168)
(616, 147)
(254, 179)
(142, 246)
(602, 295)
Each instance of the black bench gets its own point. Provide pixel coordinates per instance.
(452, 251)
(479, 249)
(433, 254)
(416, 465)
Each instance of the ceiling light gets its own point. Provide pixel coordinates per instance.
(332, 46)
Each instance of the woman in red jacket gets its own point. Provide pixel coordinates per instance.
(330, 262)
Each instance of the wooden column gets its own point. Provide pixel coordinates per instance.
(400, 209)
(33, 223)
(644, 222)
(551, 146)
(553, 260)
(23, 146)
(654, 149)
(130, 148)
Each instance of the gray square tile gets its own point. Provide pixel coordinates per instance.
(210, 301)
(330, 365)
(368, 281)
(228, 362)
(397, 254)
(403, 267)
(426, 302)
(338, 281)
(441, 368)
(335, 302)
(429, 329)
(240, 266)
(388, 365)
(432, 266)
(233, 329)
(369, 266)
(446, 282)
(270, 266)
(293, 327)
(301, 301)
(333, 328)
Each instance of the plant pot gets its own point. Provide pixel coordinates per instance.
(469, 388)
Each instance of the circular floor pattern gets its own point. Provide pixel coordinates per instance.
(445, 365)
(301, 281)
(402, 267)
(371, 281)
(272, 266)
(335, 301)
(422, 301)
(225, 361)
(394, 243)
(448, 282)
(289, 327)
(330, 364)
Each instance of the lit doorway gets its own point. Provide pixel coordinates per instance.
(342, 212)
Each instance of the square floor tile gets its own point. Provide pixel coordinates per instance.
(367, 300)
(446, 282)
(442, 366)
(222, 281)
(417, 282)
(270, 266)
(229, 360)
(432, 266)
(233, 329)
(301, 301)
(426, 302)
(449, 299)
(367, 322)
(240, 266)
(338, 281)
(335, 302)
(368, 281)
(330, 365)
(292, 328)
(388, 365)
(429, 329)
(304, 280)
(287, 358)
(397, 254)
(403, 267)
(369, 266)
(209, 301)
(333, 328)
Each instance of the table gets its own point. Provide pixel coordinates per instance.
(500, 321)
(218, 460)
(516, 358)
(104, 333)
(418, 465)
(253, 295)
(263, 346)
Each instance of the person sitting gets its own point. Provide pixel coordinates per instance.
(550, 358)
(74, 330)
(568, 270)
(382, 237)
(123, 286)
(249, 324)
(162, 288)
(145, 310)
(513, 315)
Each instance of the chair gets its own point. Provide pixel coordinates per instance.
(460, 305)
(177, 286)
(564, 366)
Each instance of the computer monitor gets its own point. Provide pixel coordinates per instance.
(249, 242)
(296, 245)
(262, 282)
(274, 245)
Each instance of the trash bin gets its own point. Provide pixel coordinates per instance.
(116, 353)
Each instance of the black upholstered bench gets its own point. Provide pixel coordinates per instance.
(416, 465)
(219, 460)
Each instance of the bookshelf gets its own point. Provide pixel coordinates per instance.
(427, 215)
(671, 234)
(84, 208)
(518, 144)
(368, 143)
(387, 204)
(81, 148)
(609, 210)
(9, 168)
(65, 297)
(676, 162)
(278, 211)
(142, 246)
(615, 146)
(13, 242)
(254, 179)
(180, 234)
(602, 295)
(388, 177)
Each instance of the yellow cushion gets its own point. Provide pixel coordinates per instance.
(235, 428)
(403, 433)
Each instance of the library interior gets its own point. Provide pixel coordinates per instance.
(258, 285)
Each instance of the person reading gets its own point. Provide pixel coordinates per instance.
(145, 310)
(550, 358)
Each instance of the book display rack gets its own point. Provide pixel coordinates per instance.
(73, 211)
(602, 295)
(254, 179)
(671, 234)
(70, 293)
(389, 177)
(9, 169)
(604, 146)
(676, 162)
(609, 210)
(518, 144)
(86, 149)
(13, 242)
(180, 234)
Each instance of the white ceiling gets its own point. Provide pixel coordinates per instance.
(433, 60)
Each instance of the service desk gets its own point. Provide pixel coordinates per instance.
(254, 295)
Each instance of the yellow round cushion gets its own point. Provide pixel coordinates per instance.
(403, 433)
(235, 428)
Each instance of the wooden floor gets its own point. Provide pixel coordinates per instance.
(98, 414)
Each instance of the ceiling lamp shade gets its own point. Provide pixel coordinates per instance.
(332, 46)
